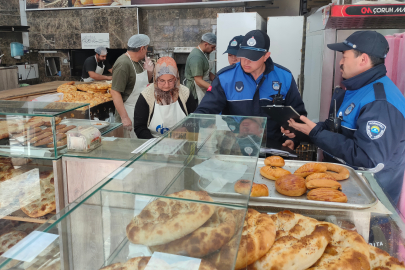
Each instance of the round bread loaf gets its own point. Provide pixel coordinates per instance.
(327, 195)
(291, 185)
(310, 168)
(274, 161)
(258, 190)
(273, 173)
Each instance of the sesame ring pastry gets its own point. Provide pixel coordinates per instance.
(310, 168)
(337, 171)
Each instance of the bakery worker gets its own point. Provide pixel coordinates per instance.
(372, 111)
(130, 77)
(197, 72)
(95, 66)
(243, 88)
(233, 48)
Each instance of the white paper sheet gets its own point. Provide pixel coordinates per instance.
(219, 173)
(31, 246)
(108, 139)
(160, 261)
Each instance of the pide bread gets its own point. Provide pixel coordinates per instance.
(35, 206)
(310, 168)
(211, 236)
(316, 176)
(274, 161)
(323, 183)
(257, 238)
(291, 185)
(380, 259)
(167, 219)
(273, 173)
(10, 239)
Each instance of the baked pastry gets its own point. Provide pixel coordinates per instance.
(337, 171)
(327, 195)
(274, 161)
(290, 253)
(62, 142)
(39, 137)
(310, 168)
(291, 185)
(49, 139)
(66, 88)
(273, 173)
(257, 238)
(43, 205)
(10, 239)
(380, 259)
(66, 129)
(167, 219)
(323, 183)
(258, 190)
(211, 236)
(347, 250)
(317, 176)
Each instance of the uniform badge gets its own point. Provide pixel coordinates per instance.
(232, 127)
(276, 85)
(249, 150)
(239, 86)
(251, 41)
(375, 129)
(349, 109)
(234, 43)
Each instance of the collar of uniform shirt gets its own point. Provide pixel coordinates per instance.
(365, 78)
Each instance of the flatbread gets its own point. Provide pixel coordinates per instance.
(258, 236)
(140, 263)
(165, 220)
(10, 239)
(38, 207)
(290, 253)
(347, 251)
(381, 260)
(211, 236)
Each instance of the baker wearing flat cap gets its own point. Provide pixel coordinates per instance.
(95, 66)
(243, 88)
(198, 67)
(371, 113)
(132, 73)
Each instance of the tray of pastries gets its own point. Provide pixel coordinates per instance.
(301, 182)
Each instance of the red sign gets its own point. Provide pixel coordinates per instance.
(371, 10)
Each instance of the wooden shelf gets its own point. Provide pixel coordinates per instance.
(19, 215)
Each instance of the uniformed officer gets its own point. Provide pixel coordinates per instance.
(233, 49)
(371, 111)
(243, 88)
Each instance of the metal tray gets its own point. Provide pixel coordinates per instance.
(84, 122)
(358, 192)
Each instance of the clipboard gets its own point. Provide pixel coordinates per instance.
(281, 114)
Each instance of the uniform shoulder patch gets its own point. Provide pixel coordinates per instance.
(375, 129)
(280, 66)
(226, 69)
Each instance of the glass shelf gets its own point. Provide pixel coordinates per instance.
(24, 108)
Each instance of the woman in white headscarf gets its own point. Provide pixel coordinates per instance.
(164, 103)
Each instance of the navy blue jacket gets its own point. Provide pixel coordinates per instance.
(235, 92)
(373, 129)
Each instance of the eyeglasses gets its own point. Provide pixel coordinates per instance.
(163, 82)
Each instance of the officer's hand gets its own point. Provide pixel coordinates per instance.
(127, 123)
(287, 133)
(289, 144)
(304, 128)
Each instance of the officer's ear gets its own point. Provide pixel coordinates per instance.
(266, 56)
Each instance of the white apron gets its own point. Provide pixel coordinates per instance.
(141, 83)
(99, 70)
(165, 117)
(206, 77)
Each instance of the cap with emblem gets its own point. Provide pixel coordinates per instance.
(255, 44)
(369, 42)
(234, 45)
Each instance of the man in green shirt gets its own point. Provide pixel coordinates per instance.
(130, 78)
(198, 67)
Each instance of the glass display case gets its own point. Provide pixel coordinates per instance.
(162, 191)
